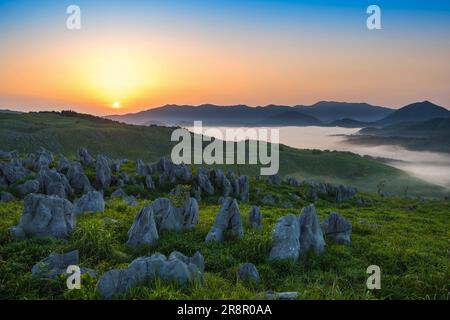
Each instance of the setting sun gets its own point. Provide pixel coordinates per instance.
(116, 105)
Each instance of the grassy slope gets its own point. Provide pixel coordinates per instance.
(64, 134)
(407, 238)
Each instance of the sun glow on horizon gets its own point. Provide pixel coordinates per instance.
(116, 105)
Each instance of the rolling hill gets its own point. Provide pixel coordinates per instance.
(415, 112)
(437, 127)
(67, 131)
(329, 111)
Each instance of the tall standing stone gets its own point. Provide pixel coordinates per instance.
(228, 218)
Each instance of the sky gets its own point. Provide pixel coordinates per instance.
(134, 55)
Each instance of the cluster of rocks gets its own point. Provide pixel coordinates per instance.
(48, 213)
(294, 236)
(177, 268)
(162, 215)
(339, 192)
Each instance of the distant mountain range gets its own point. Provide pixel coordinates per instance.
(437, 127)
(323, 113)
(418, 126)
(320, 113)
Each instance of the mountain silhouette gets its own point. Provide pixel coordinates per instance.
(319, 113)
(415, 112)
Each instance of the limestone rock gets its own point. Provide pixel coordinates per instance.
(52, 182)
(274, 179)
(92, 201)
(85, 158)
(30, 186)
(292, 181)
(311, 236)
(255, 217)
(13, 172)
(143, 230)
(204, 183)
(103, 172)
(43, 159)
(175, 269)
(6, 197)
(56, 264)
(45, 216)
(228, 218)
(162, 215)
(248, 273)
(286, 239)
(77, 179)
(149, 184)
(63, 165)
(337, 228)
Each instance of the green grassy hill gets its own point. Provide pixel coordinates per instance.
(407, 238)
(66, 132)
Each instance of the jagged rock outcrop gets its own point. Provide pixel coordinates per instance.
(228, 219)
(8, 155)
(162, 215)
(221, 182)
(339, 192)
(6, 197)
(85, 158)
(45, 216)
(175, 269)
(91, 201)
(248, 273)
(204, 183)
(255, 217)
(294, 236)
(274, 179)
(171, 173)
(345, 192)
(29, 186)
(56, 264)
(13, 171)
(116, 164)
(196, 193)
(244, 188)
(62, 165)
(43, 159)
(143, 230)
(311, 236)
(149, 184)
(102, 172)
(77, 179)
(170, 218)
(337, 228)
(286, 239)
(312, 194)
(292, 181)
(51, 182)
(142, 168)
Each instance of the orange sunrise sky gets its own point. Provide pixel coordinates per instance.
(139, 55)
